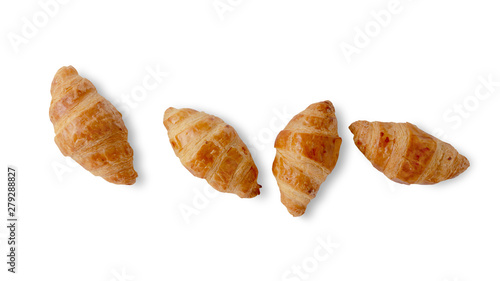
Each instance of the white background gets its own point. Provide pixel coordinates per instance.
(255, 65)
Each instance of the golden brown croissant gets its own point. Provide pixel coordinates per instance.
(306, 153)
(211, 149)
(89, 129)
(406, 154)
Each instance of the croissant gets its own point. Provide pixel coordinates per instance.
(306, 153)
(212, 150)
(406, 154)
(89, 129)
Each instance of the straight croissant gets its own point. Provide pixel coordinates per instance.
(306, 153)
(89, 129)
(212, 150)
(406, 154)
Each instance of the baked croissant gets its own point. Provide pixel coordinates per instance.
(406, 154)
(306, 153)
(212, 150)
(89, 129)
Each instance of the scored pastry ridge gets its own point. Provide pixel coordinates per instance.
(306, 153)
(89, 129)
(406, 154)
(211, 149)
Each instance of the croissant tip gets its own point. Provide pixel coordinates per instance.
(296, 212)
(249, 195)
(67, 70)
(322, 106)
(253, 193)
(465, 164)
(126, 177)
(61, 75)
(122, 181)
(168, 112)
(328, 102)
(293, 207)
(356, 126)
(352, 127)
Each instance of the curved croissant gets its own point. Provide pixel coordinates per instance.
(406, 154)
(89, 129)
(306, 153)
(212, 150)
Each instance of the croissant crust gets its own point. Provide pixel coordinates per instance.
(211, 149)
(406, 154)
(306, 153)
(89, 129)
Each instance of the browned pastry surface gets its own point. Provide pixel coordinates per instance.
(89, 129)
(406, 154)
(306, 153)
(211, 149)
